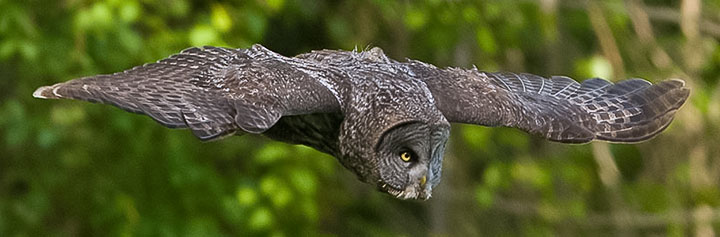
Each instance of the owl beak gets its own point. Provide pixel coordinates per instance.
(423, 180)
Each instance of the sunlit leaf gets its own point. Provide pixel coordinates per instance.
(246, 196)
(530, 173)
(415, 18)
(270, 153)
(275, 5)
(304, 181)
(470, 14)
(486, 41)
(130, 11)
(260, 219)
(100, 15)
(493, 176)
(220, 18)
(595, 66)
(202, 35)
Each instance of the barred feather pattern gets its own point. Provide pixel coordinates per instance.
(630, 111)
(162, 90)
(559, 108)
(213, 91)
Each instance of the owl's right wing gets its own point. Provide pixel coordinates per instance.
(558, 108)
(212, 91)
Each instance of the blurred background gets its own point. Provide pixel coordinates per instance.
(71, 168)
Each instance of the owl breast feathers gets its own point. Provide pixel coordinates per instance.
(387, 121)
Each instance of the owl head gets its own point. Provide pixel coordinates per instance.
(403, 158)
(410, 159)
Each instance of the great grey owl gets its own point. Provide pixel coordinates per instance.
(387, 121)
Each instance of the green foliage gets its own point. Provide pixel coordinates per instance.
(73, 168)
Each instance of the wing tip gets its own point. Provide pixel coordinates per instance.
(684, 93)
(678, 81)
(46, 92)
(678, 95)
(636, 139)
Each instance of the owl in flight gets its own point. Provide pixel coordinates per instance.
(386, 121)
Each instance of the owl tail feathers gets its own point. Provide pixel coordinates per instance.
(634, 110)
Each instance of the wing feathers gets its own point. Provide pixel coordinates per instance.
(160, 90)
(559, 108)
(630, 111)
(213, 91)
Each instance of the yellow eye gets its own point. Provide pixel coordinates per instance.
(405, 156)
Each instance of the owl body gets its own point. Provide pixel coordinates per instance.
(386, 121)
(380, 94)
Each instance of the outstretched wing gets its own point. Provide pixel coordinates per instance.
(558, 108)
(213, 91)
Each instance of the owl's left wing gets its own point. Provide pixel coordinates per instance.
(557, 108)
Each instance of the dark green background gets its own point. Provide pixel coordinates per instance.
(73, 168)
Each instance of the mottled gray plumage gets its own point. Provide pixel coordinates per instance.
(385, 120)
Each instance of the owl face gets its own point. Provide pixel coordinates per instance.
(410, 156)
